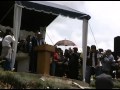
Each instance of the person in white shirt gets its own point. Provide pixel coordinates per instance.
(92, 64)
(7, 50)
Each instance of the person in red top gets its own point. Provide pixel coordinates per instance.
(55, 60)
(56, 56)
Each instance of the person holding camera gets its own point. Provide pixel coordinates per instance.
(7, 50)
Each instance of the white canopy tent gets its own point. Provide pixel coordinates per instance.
(55, 10)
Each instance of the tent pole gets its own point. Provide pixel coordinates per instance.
(43, 31)
(16, 30)
(84, 45)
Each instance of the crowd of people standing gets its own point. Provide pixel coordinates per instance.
(68, 63)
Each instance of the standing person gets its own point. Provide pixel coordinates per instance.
(74, 64)
(107, 61)
(67, 56)
(118, 68)
(7, 49)
(59, 64)
(91, 64)
(35, 41)
(55, 60)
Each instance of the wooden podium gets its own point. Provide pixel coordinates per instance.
(43, 58)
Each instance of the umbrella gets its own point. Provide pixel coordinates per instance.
(65, 43)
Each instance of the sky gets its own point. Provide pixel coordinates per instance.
(103, 26)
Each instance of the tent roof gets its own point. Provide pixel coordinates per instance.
(36, 15)
(54, 9)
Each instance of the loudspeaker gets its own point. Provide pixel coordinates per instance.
(117, 44)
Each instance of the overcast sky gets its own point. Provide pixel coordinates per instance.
(104, 22)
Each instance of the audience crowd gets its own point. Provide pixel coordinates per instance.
(68, 63)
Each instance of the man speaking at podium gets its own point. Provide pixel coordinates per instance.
(36, 40)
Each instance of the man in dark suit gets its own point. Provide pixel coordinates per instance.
(104, 81)
(92, 64)
(36, 41)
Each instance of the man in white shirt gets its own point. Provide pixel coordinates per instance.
(7, 49)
